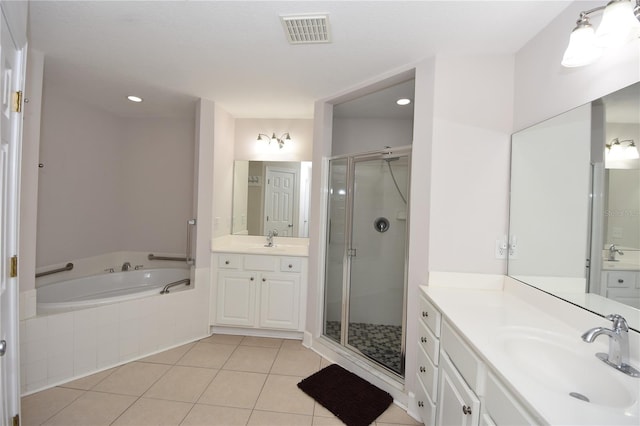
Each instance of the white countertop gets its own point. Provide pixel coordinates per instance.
(248, 244)
(482, 315)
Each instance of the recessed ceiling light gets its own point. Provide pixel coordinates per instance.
(134, 98)
(403, 101)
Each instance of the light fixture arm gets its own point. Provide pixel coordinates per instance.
(285, 137)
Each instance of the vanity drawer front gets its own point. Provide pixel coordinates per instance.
(260, 263)
(621, 279)
(502, 407)
(290, 264)
(467, 363)
(428, 373)
(229, 261)
(430, 315)
(426, 407)
(428, 342)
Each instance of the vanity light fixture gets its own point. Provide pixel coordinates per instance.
(622, 150)
(280, 141)
(133, 98)
(620, 23)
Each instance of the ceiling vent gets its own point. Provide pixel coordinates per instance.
(306, 29)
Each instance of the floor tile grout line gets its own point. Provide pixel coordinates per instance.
(70, 402)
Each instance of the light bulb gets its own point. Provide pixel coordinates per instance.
(582, 48)
(618, 24)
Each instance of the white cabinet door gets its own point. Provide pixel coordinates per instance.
(236, 298)
(280, 301)
(457, 404)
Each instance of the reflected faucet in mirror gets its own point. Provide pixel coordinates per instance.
(270, 235)
(612, 253)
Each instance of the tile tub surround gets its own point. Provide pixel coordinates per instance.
(176, 387)
(251, 244)
(60, 347)
(479, 315)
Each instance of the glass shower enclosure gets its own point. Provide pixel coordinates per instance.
(365, 269)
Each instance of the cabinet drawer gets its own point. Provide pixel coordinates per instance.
(428, 374)
(428, 342)
(467, 363)
(229, 261)
(290, 264)
(260, 263)
(621, 279)
(430, 315)
(502, 407)
(426, 407)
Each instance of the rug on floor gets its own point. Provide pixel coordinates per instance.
(350, 398)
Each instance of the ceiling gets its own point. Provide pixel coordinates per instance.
(235, 52)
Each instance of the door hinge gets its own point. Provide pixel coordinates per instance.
(16, 101)
(16, 420)
(13, 270)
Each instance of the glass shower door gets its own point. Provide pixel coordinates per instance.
(376, 253)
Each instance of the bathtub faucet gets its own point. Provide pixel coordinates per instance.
(126, 266)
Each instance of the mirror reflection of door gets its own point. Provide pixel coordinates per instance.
(280, 201)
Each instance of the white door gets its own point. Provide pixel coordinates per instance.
(11, 77)
(280, 202)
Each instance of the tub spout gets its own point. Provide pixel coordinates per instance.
(126, 266)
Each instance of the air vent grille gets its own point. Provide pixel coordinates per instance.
(306, 29)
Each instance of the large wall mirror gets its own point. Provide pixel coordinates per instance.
(574, 226)
(271, 195)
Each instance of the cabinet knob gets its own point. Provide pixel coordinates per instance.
(466, 410)
(226, 262)
(251, 279)
(620, 280)
(420, 404)
(425, 314)
(290, 266)
(422, 369)
(264, 280)
(423, 339)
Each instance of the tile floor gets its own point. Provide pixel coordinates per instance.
(220, 380)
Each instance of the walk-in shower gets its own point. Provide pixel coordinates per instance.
(365, 275)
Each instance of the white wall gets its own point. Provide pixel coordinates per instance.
(109, 183)
(79, 196)
(473, 112)
(157, 171)
(223, 148)
(354, 135)
(29, 170)
(248, 148)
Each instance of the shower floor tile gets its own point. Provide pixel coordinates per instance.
(167, 389)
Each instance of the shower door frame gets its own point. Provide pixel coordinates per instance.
(352, 159)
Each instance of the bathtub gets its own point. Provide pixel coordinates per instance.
(97, 290)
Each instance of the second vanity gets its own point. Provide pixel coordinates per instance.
(501, 353)
(257, 289)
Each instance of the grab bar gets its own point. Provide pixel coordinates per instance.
(67, 267)
(191, 223)
(166, 288)
(177, 259)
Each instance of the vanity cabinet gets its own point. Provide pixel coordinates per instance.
(254, 291)
(622, 286)
(428, 359)
(455, 386)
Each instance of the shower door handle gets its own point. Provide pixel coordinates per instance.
(351, 252)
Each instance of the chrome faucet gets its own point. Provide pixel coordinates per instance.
(126, 266)
(612, 253)
(270, 235)
(618, 356)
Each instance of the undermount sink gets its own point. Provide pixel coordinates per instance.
(558, 366)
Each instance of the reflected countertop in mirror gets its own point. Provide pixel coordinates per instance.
(574, 228)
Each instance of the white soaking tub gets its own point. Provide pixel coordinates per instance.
(97, 290)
